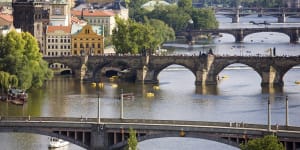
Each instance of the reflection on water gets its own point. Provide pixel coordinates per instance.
(237, 98)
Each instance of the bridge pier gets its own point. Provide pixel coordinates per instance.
(281, 18)
(145, 75)
(236, 19)
(294, 36)
(239, 36)
(271, 78)
(207, 75)
(99, 139)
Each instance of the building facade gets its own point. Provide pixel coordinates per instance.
(31, 16)
(292, 3)
(59, 13)
(58, 41)
(105, 18)
(87, 40)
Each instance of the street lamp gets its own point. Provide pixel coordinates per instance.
(121, 107)
(269, 115)
(98, 86)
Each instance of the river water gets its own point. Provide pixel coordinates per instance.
(238, 98)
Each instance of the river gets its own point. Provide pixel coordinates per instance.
(238, 98)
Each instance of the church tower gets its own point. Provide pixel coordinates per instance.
(60, 14)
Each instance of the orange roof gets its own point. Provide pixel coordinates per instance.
(66, 29)
(7, 17)
(93, 13)
(74, 19)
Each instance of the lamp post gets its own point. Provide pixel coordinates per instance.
(286, 111)
(98, 116)
(269, 115)
(121, 107)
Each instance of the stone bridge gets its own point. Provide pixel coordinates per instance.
(205, 68)
(240, 34)
(113, 133)
(236, 13)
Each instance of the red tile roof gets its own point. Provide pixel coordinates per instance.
(66, 29)
(7, 17)
(74, 19)
(93, 13)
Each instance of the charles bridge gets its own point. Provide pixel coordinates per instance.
(112, 133)
(205, 67)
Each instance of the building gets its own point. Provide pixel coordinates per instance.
(292, 3)
(31, 16)
(105, 18)
(59, 13)
(6, 20)
(58, 41)
(87, 40)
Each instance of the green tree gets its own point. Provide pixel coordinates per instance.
(185, 4)
(162, 32)
(20, 57)
(204, 19)
(132, 141)
(269, 142)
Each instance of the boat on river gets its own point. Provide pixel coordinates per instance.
(57, 143)
(17, 96)
(297, 82)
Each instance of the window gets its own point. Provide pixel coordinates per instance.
(75, 45)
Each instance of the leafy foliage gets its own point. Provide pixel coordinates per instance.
(178, 16)
(133, 37)
(21, 59)
(132, 141)
(269, 142)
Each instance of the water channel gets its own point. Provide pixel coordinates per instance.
(238, 98)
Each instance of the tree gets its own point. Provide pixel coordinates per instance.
(21, 59)
(132, 141)
(269, 142)
(185, 4)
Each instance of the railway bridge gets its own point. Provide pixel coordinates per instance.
(113, 133)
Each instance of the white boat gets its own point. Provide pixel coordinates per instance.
(56, 143)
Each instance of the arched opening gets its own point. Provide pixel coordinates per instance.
(291, 80)
(111, 73)
(18, 140)
(224, 38)
(239, 79)
(60, 69)
(267, 37)
(179, 143)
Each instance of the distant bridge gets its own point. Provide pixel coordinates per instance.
(236, 13)
(241, 33)
(206, 68)
(113, 133)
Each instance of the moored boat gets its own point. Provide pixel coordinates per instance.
(56, 143)
(297, 82)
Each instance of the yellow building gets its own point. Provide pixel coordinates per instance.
(87, 40)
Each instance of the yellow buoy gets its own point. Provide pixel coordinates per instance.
(156, 87)
(101, 85)
(114, 85)
(93, 84)
(149, 94)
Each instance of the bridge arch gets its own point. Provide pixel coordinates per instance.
(282, 34)
(46, 133)
(114, 65)
(189, 135)
(221, 67)
(160, 68)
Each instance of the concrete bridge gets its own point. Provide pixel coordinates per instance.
(206, 68)
(113, 133)
(236, 13)
(240, 34)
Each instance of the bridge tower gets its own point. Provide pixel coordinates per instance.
(236, 17)
(282, 16)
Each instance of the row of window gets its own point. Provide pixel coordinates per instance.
(57, 37)
(61, 47)
(59, 54)
(98, 21)
(87, 39)
(61, 40)
(87, 45)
